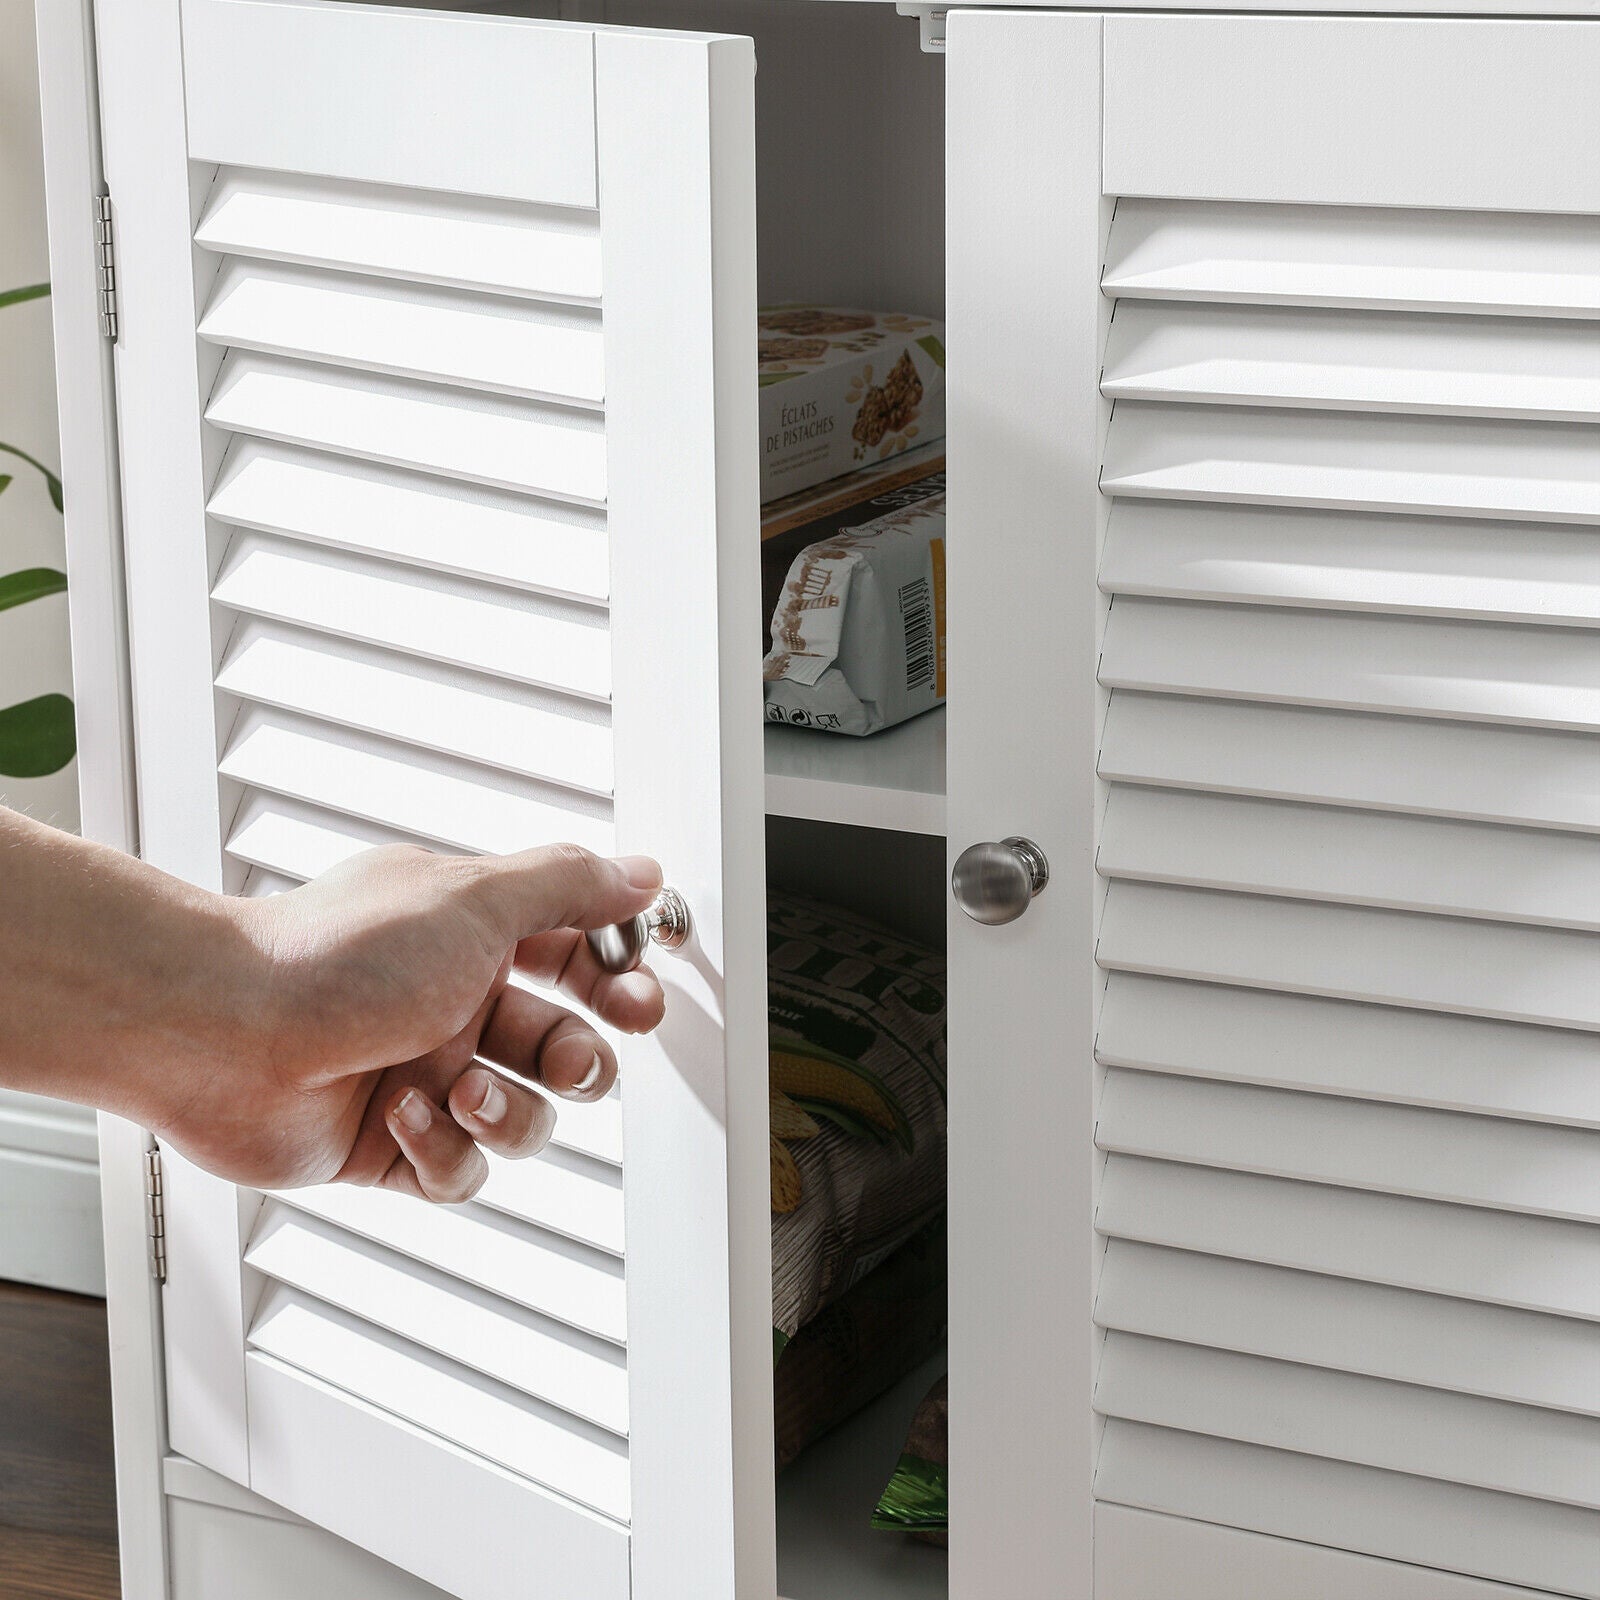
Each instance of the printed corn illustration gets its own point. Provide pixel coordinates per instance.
(787, 1121)
(807, 1074)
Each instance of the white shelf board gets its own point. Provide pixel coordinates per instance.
(827, 1546)
(893, 779)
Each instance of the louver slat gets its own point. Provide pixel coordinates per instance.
(1367, 857)
(1335, 1047)
(434, 707)
(1520, 974)
(562, 1191)
(379, 511)
(576, 1550)
(502, 345)
(1508, 572)
(431, 797)
(1500, 1257)
(1538, 471)
(299, 842)
(1489, 1444)
(1412, 1150)
(570, 1370)
(480, 1414)
(542, 1271)
(404, 698)
(1452, 769)
(1432, 1524)
(1539, 677)
(524, 445)
(1355, 361)
(545, 251)
(1451, 261)
(1350, 1109)
(1370, 1328)
(523, 637)
(258, 884)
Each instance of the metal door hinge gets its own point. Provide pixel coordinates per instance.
(930, 23)
(155, 1215)
(106, 265)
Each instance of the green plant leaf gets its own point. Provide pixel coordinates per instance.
(32, 583)
(15, 297)
(52, 482)
(5, 478)
(37, 737)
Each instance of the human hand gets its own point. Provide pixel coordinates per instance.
(385, 978)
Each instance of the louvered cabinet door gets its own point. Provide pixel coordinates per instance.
(438, 451)
(1305, 479)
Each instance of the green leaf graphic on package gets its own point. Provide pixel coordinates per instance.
(36, 737)
(819, 1080)
(917, 1499)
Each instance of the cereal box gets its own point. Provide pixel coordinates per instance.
(841, 389)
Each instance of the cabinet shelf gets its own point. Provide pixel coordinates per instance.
(827, 1546)
(891, 780)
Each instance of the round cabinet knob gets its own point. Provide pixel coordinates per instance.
(621, 946)
(994, 883)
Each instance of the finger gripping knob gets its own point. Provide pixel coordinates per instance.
(995, 883)
(621, 946)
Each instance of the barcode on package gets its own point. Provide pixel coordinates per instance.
(916, 615)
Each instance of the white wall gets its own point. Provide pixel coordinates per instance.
(49, 1181)
(34, 656)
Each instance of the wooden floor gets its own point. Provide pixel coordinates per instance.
(58, 1521)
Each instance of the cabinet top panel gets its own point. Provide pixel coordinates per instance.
(1410, 8)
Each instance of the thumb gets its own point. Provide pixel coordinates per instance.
(564, 886)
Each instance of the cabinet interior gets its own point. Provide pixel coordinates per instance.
(850, 174)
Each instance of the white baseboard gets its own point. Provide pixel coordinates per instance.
(50, 1222)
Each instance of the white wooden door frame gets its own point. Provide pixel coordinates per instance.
(1027, 326)
(693, 447)
(1193, 107)
(86, 403)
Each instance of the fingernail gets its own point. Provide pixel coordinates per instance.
(413, 1112)
(642, 872)
(592, 1076)
(493, 1105)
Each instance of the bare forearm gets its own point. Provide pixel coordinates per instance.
(119, 985)
(334, 1032)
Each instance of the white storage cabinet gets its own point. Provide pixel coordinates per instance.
(418, 490)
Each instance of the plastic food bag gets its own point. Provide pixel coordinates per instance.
(862, 1344)
(917, 1500)
(858, 635)
(856, 1020)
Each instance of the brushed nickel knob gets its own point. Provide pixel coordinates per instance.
(995, 883)
(621, 946)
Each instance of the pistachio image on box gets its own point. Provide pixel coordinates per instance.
(858, 636)
(841, 389)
